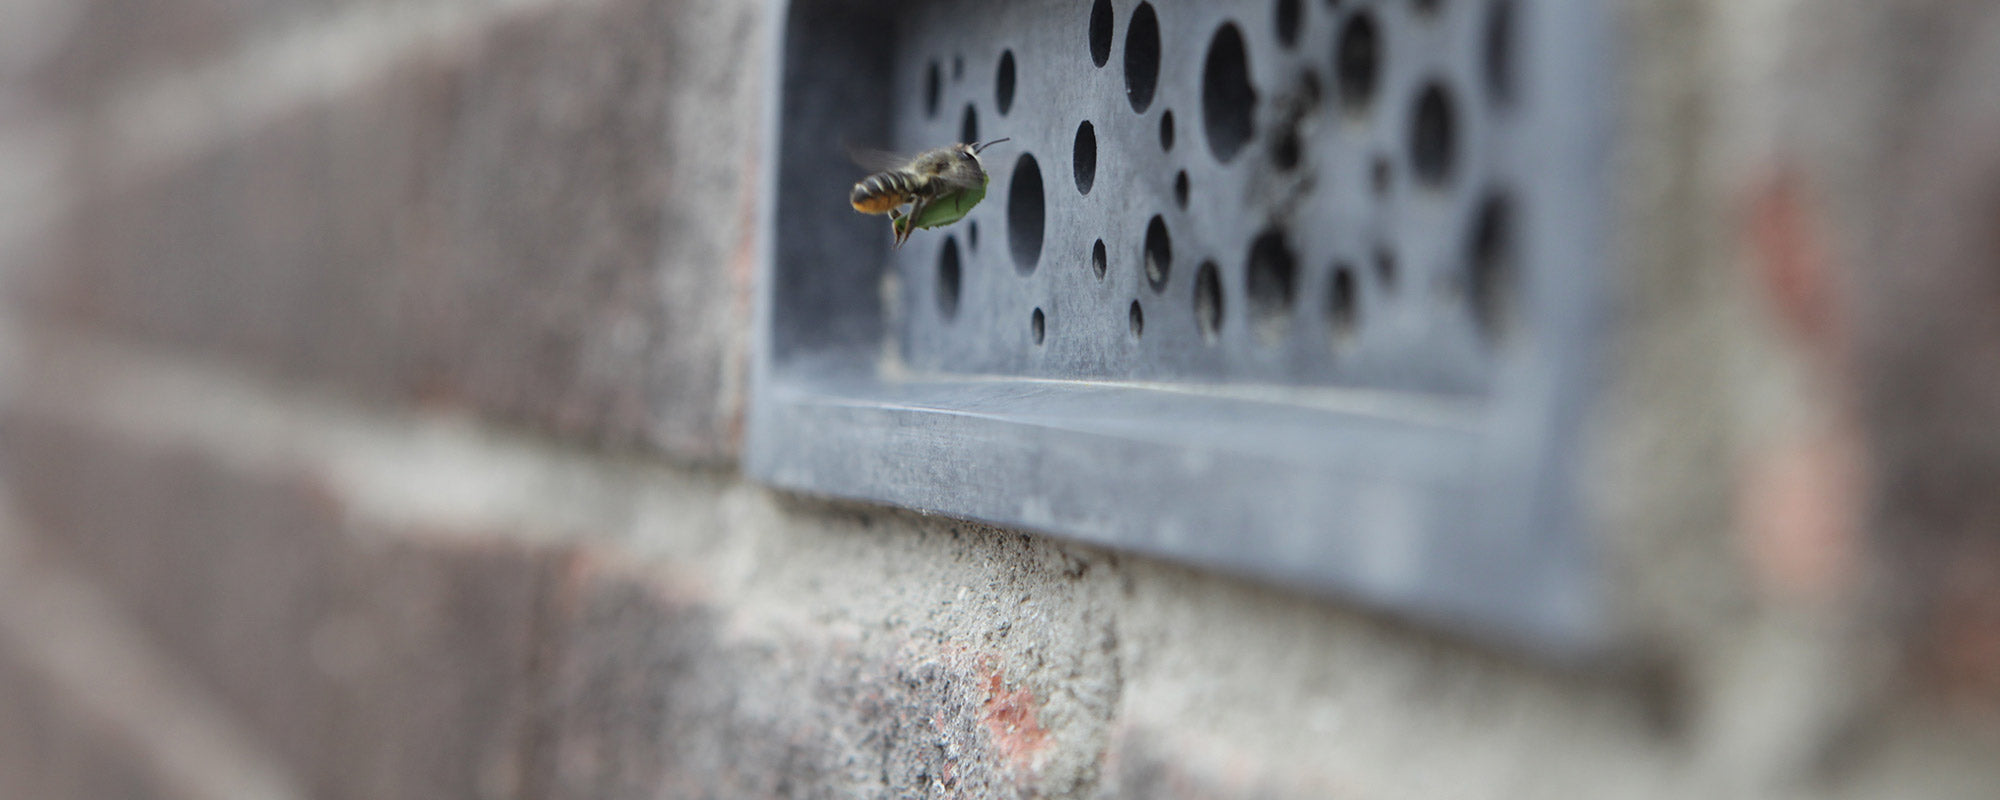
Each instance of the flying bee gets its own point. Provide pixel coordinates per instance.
(940, 186)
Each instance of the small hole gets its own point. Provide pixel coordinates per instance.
(1208, 301)
(932, 88)
(1268, 284)
(1492, 271)
(1429, 6)
(1100, 32)
(1025, 208)
(1159, 254)
(1039, 326)
(1181, 189)
(1500, 51)
(1167, 130)
(1227, 98)
(1138, 319)
(948, 278)
(1142, 57)
(1099, 262)
(1085, 157)
(1433, 136)
(968, 128)
(1003, 83)
(1285, 152)
(972, 234)
(1288, 15)
(1380, 174)
(1357, 62)
(957, 67)
(1386, 272)
(1343, 311)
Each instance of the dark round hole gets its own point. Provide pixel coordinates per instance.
(1227, 98)
(1357, 61)
(1492, 269)
(1429, 6)
(1159, 254)
(1025, 209)
(1100, 32)
(1380, 174)
(1287, 18)
(948, 278)
(1286, 151)
(972, 234)
(1138, 319)
(1099, 262)
(1167, 130)
(933, 86)
(1142, 57)
(1268, 283)
(1386, 272)
(1038, 325)
(1433, 136)
(957, 67)
(968, 127)
(1003, 83)
(1343, 307)
(1208, 301)
(1500, 51)
(1084, 157)
(1181, 188)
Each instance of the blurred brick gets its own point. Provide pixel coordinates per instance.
(103, 45)
(527, 224)
(377, 667)
(51, 750)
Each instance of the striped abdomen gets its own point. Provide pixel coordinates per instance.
(884, 191)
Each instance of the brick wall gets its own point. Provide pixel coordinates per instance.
(371, 378)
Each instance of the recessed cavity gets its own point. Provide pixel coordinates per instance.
(1287, 149)
(1287, 16)
(1084, 157)
(972, 234)
(1380, 174)
(1003, 83)
(1038, 326)
(1429, 6)
(1208, 301)
(933, 88)
(1142, 57)
(1492, 270)
(1159, 254)
(957, 67)
(1181, 189)
(1227, 98)
(1357, 62)
(1100, 32)
(1386, 271)
(1137, 318)
(1500, 51)
(1269, 279)
(948, 276)
(1167, 130)
(1026, 208)
(1433, 136)
(1343, 306)
(968, 126)
(1100, 262)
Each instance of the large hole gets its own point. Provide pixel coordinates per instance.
(1492, 269)
(1357, 62)
(1433, 136)
(1137, 318)
(1227, 99)
(1038, 326)
(1100, 261)
(1025, 209)
(1208, 301)
(1268, 284)
(932, 89)
(1343, 306)
(1167, 130)
(1287, 18)
(1003, 83)
(1100, 32)
(1181, 189)
(1159, 254)
(1142, 57)
(948, 278)
(968, 126)
(1084, 157)
(1500, 51)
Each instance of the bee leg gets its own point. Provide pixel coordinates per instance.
(903, 234)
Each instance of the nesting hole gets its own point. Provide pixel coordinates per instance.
(1100, 32)
(957, 67)
(1142, 57)
(972, 234)
(933, 89)
(1287, 17)
(1434, 136)
(1387, 271)
(1357, 62)
(1381, 175)
(1208, 301)
(1493, 269)
(1167, 130)
(1429, 7)
(1343, 306)
(1084, 157)
(1287, 149)
(1100, 263)
(1499, 57)
(1269, 281)
(1038, 326)
(1227, 98)
(1003, 83)
(1137, 318)
(1159, 254)
(968, 125)
(1181, 189)
(1026, 207)
(948, 277)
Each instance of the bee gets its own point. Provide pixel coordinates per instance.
(940, 186)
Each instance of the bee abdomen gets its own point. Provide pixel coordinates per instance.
(881, 192)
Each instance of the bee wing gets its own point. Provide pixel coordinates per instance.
(876, 160)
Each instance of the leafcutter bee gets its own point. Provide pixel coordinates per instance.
(940, 187)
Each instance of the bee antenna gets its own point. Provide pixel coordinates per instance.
(978, 147)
